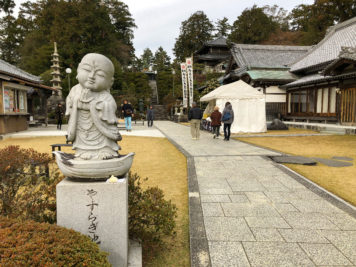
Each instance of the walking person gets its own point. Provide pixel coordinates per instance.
(127, 111)
(227, 119)
(150, 116)
(59, 115)
(195, 116)
(216, 121)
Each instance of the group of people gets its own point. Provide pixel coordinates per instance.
(217, 118)
(128, 112)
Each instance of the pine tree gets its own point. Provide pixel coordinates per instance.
(194, 32)
(253, 26)
(161, 60)
(146, 58)
(223, 27)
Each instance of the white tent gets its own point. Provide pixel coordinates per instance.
(247, 102)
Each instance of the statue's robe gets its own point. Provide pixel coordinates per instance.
(92, 125)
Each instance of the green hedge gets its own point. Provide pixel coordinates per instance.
(29, 243)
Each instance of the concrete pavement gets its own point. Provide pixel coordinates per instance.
(246, 210)
(51, 130)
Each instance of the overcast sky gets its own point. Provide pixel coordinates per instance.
(158, 21)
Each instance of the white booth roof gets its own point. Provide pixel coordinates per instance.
(235, 90)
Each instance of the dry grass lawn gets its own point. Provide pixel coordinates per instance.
(339, 180)
(165, 166)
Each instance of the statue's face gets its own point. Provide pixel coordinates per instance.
(95, 72)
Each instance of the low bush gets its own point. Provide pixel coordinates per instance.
(151, 217)
(28, 243)
(20, 168)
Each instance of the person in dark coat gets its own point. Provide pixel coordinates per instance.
(150, 116)
(194, 116)
(59, 116)
(227, 119)
(216, 121)
(127, 111)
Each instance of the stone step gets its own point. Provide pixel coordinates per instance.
(160, 112)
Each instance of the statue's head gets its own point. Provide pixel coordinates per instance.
(96, 72)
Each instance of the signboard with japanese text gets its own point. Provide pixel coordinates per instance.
(189, 64)
(183, 68)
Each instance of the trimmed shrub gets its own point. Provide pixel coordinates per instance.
(27, 188)
(29, 243)
(151, 217)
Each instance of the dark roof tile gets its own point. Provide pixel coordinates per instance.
(329, 48)
(267, 56)
(9, 69)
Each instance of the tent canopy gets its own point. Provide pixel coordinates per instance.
(235, 90)
(247, 102)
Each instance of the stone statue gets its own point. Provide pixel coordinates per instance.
(92, 125)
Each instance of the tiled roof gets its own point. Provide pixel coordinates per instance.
(220, 41)
(275, 75)
(317, 78)
(347, 53)
(11, 70)
(343, 34)
(266, 56)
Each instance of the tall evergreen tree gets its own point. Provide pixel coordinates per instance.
(194, 32)
(79, 27)
(9, 39)
(7, 6)
(147, 58)
(253, 26)
(161, 60)
(222, 27)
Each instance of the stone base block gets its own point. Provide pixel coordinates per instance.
(135, 254)
(99, 210)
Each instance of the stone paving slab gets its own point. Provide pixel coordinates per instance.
(267, 222)
(325, 254)
(225, 254)
(294, 160)
(333, 163)
(267, 234)
(302, 235)
(227, 229)
(256, 214)
(276, 254)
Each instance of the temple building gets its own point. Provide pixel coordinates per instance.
(23, 99)
(265, 67)
(213, 55)
(326, 89)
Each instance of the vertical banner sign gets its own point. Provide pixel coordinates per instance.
(189, 63)
(183, 69)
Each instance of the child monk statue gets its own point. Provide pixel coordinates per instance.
(92, 125)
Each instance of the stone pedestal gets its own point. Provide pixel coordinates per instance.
(98, 210)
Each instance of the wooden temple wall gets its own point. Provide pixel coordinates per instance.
(275, 109)
(348, 106)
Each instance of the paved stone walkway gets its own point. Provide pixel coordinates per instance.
(51, 130)
(246, 210)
